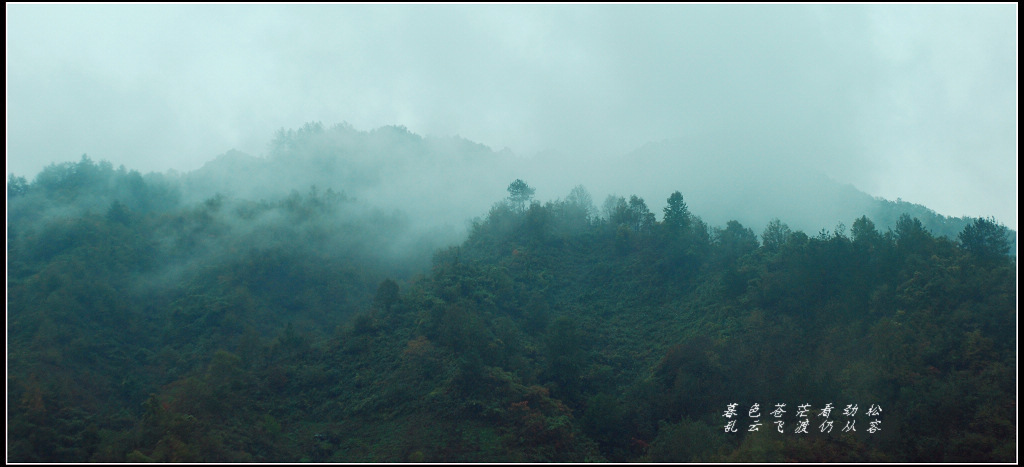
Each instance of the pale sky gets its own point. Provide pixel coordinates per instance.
(909, 101)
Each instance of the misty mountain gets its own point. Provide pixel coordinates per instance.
(441, 183)
(147, 326)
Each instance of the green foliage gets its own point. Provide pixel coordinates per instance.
(228, 330)
(580, 204)
(986, 239)
(387, 295)
(566, 356)
(911, 236)
(735, 240)
(634, 214)
(776, 234)
(16, 186)
(865, 235)
(677, 216)
(686, 441)
(519, 194)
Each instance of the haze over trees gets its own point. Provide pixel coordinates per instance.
(312, 305)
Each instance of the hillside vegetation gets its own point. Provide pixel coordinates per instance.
(312, 326)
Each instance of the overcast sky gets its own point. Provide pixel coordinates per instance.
(917, 102)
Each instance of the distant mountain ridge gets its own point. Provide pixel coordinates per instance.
(447, 181)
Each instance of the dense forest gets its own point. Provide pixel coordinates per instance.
(145, 325)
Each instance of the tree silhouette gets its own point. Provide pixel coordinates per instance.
(677, 216)
(986, 239)
(519, 194)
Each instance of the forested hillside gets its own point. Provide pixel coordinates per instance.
(310, 325)
(438, 183)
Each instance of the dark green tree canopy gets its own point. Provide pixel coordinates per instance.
(633, 214)
(276, 329)
(677, 216)
(641, 218)
(16, 186)
(735, 240)
(519, 194)
(863, 231)
(986, 238)
(387, 295)
(911, 234)
(775, 235)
